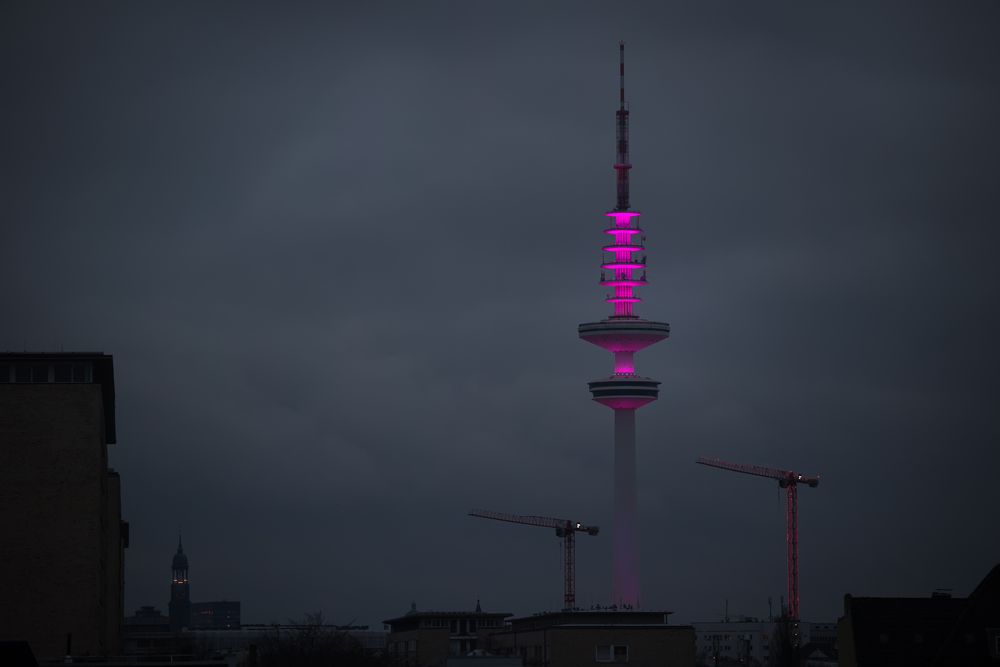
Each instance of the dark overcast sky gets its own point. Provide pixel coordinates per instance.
(339, 253)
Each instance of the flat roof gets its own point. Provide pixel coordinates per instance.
(104, 375)
(591, 618)
(595, 626)
(448, 614)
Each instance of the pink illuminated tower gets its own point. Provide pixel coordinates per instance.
(624, 333)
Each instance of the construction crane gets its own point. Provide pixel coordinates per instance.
(789, 481)
(565, 529)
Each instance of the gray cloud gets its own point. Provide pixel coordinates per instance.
(340, 254)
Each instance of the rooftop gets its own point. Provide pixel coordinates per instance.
(58, 368)
(591, 618)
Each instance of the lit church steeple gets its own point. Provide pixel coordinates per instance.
(180, 590)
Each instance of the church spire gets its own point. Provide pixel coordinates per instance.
(180, 589)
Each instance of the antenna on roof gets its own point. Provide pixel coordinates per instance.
(621, 159)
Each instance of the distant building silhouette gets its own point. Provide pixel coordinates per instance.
(746, 641)
(187, 615)
(180, 591)
(559, 639)
(938, 630)
(751, 642)
(147, 619)
(217, 615)
(820, 646)
(60, 505)
(423, 638)
(182, 632)
(573, 638)
(147, 633)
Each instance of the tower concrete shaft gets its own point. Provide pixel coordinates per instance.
(625, 567)
(623, 334)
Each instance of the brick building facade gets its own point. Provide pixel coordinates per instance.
(60, 505)
(577, 638)
(430, 638)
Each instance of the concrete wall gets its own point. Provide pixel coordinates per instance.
(425, 647)
(114, 565)
(574, 646)
(59, 514)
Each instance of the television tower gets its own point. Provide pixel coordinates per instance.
(624, 333)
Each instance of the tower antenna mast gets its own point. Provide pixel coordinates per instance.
(622, 165)
(623, 333)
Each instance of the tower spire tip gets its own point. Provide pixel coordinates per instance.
(622, 165)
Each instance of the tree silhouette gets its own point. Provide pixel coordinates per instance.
(311, 643)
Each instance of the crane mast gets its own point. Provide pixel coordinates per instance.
(788, 480)
(564, 528)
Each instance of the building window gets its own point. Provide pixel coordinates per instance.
(36, 373)
(611, 653)
(31, 373)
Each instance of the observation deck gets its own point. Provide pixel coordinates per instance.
(623, 282)
(627, 264)
(625, 392)
(624, 334)
(623, 231)
(627, 247)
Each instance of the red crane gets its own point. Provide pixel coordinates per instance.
(789, 481)
(565, 529)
